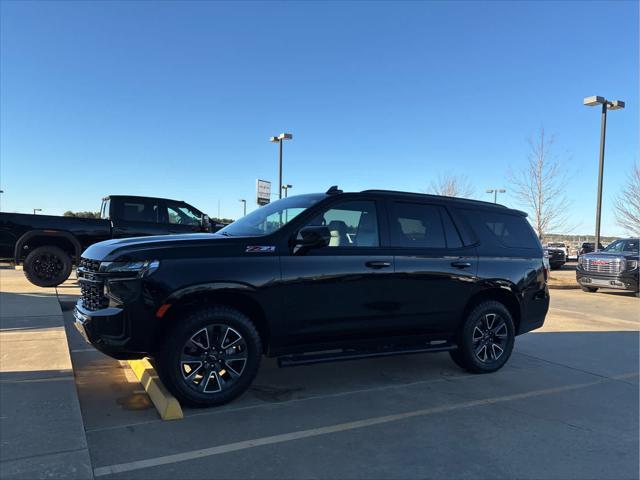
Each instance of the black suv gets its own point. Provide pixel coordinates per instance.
(316, 278)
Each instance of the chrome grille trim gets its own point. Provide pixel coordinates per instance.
(607, 266)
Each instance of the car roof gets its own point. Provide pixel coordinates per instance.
(461, 202)
(141, 197)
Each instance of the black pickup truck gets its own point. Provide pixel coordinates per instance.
(48, 245)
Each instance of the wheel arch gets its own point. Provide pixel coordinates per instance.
(503, 295)
(38, 238)
(237, 296)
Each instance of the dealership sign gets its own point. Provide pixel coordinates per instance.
(263, 191)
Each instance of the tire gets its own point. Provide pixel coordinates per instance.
(207, 377)
(589, 289)
(47, 266)
(497, 340)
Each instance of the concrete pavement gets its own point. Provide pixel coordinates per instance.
(41, 428)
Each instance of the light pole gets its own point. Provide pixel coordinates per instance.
(606, 105)
(36, 210)
(286, 189)
(244, 206)
(279, 139)
(495, 192)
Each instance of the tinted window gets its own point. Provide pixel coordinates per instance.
(631, 246)
(509, 230)
(352, 224)
(140, 211)
(182, 215)
(417, 225)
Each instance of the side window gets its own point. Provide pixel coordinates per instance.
(179, 214)
(352, 224)
(140, 211)
(104, 211)
(510, 230)
(417, 225)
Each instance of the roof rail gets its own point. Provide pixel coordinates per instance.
(430, 195)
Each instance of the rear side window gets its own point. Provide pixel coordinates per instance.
(417, 225)
(510, 230)
(140, 211)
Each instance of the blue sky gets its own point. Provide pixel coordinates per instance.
(178, 99)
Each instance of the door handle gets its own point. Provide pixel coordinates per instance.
(461, 264)
(377, 265)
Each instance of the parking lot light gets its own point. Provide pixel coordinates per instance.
(495, 192)
(606, 105)
(279, 139)
(244, 206)
(286, 189)
(36, 210)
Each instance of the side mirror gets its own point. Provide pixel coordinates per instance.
(205, 223)
(316, 236)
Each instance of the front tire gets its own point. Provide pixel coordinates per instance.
(47, 266)
(210, 357)
(486, 340)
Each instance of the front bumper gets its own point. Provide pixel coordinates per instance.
(623, 281)
(114, 332)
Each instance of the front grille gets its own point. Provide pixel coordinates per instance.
(91, 285)
(607, 266)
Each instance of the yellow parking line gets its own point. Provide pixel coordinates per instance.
(166, 404)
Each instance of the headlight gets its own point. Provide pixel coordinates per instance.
(142, 268)
(581, 260)
(632, 264)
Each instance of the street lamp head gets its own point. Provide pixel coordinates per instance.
(274, 139)
(502, 190)
(285, 136)
(616, 105)
(593, 101)
(490, 190)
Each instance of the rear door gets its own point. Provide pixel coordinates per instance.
(434, 272)
(135, 217)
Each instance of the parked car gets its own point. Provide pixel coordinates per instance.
(316, 278)
(614, 267)
(560, 245)
(49, 245)
(556, 256)
(588, 247)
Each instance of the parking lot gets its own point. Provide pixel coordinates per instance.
(565, 406)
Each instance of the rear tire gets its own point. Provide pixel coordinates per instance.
(47, 266)
(589, 289)
(486, 340)
(201, 360)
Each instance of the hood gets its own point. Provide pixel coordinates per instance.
(605, 255)
(162, 246)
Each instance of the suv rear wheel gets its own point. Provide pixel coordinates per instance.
(47, 266)
(210, 357)
(486, 340)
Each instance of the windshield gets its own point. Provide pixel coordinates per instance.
(623, 246)
(271, 217)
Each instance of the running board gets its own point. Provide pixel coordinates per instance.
(337, 356)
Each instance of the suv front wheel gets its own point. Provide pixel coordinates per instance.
(210, 357)
(486, 340)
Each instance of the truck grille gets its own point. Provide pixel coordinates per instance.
(91, 285)
(607, 266)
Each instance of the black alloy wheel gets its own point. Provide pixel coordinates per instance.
(213, 359)
(209, 356)
(47, 266)
(486, 338)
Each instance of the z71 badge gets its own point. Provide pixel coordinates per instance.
(260, 249)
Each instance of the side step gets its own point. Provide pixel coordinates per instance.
(340, 355)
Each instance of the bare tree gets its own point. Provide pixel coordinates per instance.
(452, 186)
(627, 204)
(539, 187)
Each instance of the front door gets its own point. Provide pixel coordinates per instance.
(338, 292)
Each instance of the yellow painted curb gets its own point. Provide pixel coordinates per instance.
(166, 404)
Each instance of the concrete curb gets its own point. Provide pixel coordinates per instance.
(564, 287)
(166, 404)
